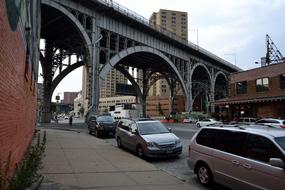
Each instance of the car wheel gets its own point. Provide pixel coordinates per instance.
(119, 142)
(198, 125)
(204, 175)
(97, 133)
(140, 152)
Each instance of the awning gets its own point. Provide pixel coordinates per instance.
(229, 101)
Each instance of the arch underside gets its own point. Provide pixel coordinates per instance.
(144, 58)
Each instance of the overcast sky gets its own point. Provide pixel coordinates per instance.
(228, 28)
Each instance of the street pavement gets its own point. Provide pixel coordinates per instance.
(76, 160)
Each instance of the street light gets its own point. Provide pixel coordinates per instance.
(234, 55)
(197, 36)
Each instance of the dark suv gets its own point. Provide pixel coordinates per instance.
(101, 125)
(147, 138)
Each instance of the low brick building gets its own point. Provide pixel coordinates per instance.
(257, 92)
(159, 105)
(19, 39)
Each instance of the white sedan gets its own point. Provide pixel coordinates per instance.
(206, 122)
(278, 123)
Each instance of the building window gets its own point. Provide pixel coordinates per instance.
(282, 81)
(262, 85)
(241, 87)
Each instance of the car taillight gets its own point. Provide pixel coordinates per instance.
(283, 126)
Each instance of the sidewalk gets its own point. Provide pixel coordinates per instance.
(80, 161)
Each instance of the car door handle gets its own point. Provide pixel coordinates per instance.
(235, 162)
(247, 166)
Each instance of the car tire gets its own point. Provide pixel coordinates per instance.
(139, 151)
(198, 125)
(204, 175)
(97, 133)
(119, 142)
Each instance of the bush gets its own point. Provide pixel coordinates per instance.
(26, 175)
(195, 116)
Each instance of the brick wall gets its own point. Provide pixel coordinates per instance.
(152, 103)
(17, 96)
(273, 72)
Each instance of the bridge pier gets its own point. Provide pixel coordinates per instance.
(144, 92)
(95, 60)
(46, 62)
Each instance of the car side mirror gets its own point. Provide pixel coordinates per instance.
(169, 129)
(135, 132)
(277, 162)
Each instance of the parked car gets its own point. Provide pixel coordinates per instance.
(206, 122)
(245, 121)
(278, 123)
(101, 125)
(240, 158)
(147, 138)
(190, 120)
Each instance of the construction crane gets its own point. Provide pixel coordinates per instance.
(273, 55)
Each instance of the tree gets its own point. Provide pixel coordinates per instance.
(81, 111)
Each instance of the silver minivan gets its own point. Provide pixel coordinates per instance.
(147, 138)
(239, 157)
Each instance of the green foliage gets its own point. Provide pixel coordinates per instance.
(81, 111)
(26, 174)
(195, 116)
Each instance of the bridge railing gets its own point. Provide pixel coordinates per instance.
(143, 20)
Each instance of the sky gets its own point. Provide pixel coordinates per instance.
(232, 29)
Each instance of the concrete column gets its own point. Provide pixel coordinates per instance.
(47, 81)
(212, 92)
(95, 71)
(143, 103)
(171, 99)
(189, 98)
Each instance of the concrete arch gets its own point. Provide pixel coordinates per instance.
(76, 22)
(202, 65)
(64, 73)
(124, 53)
(220, 73)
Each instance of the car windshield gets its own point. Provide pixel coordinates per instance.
(148, 128)
(281, 141)
(105, 119)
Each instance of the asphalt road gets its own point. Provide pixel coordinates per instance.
(175, 166)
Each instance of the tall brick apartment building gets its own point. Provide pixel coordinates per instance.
(258, 92)
(19, 39)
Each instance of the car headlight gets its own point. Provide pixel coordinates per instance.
(177, 142)
(150, 144)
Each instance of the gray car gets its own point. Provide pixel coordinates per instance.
(240, 158)
(147, 138)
